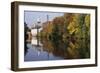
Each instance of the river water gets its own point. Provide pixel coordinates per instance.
(38, 50)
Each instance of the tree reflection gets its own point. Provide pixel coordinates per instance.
(68, 50)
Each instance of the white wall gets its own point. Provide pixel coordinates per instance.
(5, 32)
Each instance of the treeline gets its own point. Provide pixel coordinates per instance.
(70, 33)
(70, 25)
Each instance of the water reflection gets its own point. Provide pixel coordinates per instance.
(38, 50)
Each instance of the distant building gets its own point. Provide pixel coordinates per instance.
(34, 29)
(34, 32)
(45, 24)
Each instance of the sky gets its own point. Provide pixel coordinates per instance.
(31, 17)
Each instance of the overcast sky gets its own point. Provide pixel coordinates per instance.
(31, 17)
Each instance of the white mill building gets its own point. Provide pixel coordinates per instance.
(36, 28)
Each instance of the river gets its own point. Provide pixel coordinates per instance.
(41, 50)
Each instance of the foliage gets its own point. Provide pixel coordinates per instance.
(73, 27)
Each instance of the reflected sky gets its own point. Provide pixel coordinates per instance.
(31, 17)
(34, 54)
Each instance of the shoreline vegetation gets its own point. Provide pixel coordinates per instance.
(69, 33)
